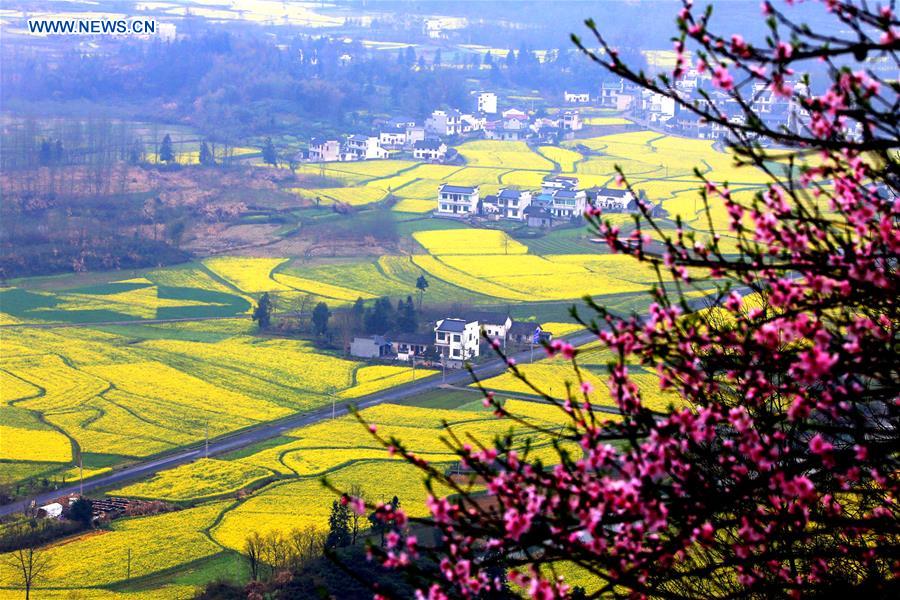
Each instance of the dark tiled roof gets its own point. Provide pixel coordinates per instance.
(536, 211)
(452, 325)
(523, 327)
(611, 192)
(490, 199)
(428, 145)
(487, 317)
(565, 194)
(510, 193)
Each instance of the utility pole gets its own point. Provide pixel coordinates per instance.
(128, 576)
(333, 398)
(80, 474)
(206, 449)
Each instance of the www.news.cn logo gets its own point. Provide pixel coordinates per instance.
(92, 26)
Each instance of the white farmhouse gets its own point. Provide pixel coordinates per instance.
(486, 102)
(456, 340)
(392, 139)
(457, 200)
(363, 147)
(576, 97)
(444, 123)
(430, 150)
(612, 199)
(324, 150)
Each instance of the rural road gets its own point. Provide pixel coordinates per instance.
(272, 429)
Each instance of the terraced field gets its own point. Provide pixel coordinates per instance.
(129, 388)
(137, 391)
(216, 516)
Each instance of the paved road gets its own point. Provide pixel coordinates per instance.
(272, 429)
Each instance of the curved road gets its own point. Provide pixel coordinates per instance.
(272, 429)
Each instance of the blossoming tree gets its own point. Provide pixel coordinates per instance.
(777, 473)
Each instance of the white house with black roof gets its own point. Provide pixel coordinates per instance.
(457, 200)
(612, 199)
(568, 203)
(456, 340)
(430, 150)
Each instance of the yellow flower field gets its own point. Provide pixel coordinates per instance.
(203, 478)
(355, 196)
(561, 329)
(374, 379)
(304, 502)
(321, 289)
(441, 271)
(469, 241)
(252, 275)
(597, 121)
(500, 154)
(43, 445)
(564, 157)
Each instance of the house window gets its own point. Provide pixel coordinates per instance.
(455, 338)
(456, 352)
(441, 335)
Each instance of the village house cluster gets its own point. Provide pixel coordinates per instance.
(428, 141)
(453, 340)
(558, 201)
(776, 111)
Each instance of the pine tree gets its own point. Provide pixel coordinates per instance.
(320, 317)
(359, 313)
(421, 285)
(45, 155)
(407, 320)
(206, 156)
(269, 155)
(166, 152)
(263, 312)
(338, 526)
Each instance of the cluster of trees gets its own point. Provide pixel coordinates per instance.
(269, 554)
(382, 316)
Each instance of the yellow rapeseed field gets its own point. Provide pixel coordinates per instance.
(564, 157)
(44, 445)
(320, 289)
(499, 154)
(203, 478)
(252, 275)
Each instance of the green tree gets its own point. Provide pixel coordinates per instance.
(269, 155)
(262, 314)
(81, 511)
(338, 526)
(381, 317)
(421, 285)
(320, 316)
(206, 155)
(359, 313)
(45, 154)
(166, 152)
(407, 320)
